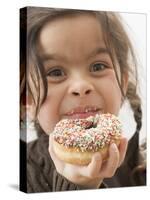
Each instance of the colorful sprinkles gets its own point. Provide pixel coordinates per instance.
(90, 134)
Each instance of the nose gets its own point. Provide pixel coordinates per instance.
(81, 88)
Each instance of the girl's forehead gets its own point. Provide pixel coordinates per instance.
(73, 23)
(72, 33)
(74, 18)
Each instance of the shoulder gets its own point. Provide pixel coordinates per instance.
(39, 165)
(37, 146)
(37, 151)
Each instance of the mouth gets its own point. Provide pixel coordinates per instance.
(83, 112)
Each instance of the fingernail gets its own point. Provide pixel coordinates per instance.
(97, 156)
(113, 146)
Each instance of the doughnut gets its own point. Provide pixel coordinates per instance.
(76, 140)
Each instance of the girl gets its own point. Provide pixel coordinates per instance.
(77, 59)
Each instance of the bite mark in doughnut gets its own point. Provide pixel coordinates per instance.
(75, 140)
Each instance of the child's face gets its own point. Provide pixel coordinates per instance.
(80, 74)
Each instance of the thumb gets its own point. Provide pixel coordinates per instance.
(58, 163)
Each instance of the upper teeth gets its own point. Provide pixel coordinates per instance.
(90, 109)
(86, 110)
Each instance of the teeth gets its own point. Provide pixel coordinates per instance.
(90, 109)
(87, 110)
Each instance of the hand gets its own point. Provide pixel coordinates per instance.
(92, 175)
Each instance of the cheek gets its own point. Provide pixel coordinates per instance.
(49, 111)
(111, 94)
(48, 116)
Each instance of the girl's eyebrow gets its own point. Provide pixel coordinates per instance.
(54, 56)
(99, 50)
(46, 57)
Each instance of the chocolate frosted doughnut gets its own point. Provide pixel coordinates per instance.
(75, 140)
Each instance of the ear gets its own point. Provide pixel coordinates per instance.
(125, 80)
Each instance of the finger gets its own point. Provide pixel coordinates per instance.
(50, 148)
(109, 168)
(93, 169)
(122, 149)
(58, 163)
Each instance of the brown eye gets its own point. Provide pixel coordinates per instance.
(98, 67)
(56, 74)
